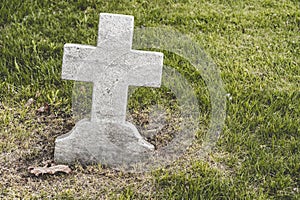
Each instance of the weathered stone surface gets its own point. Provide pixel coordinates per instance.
(112, 66)
(107, 143)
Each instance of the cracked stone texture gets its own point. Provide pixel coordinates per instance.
(111, 66)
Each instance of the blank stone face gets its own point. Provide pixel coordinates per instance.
(116, 31)
(111, 66)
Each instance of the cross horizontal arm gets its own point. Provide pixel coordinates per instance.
(147, 70)
(74, 56)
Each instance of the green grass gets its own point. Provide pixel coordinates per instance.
(255, 44)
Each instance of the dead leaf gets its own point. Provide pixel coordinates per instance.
(43, 109)
(29, 102)
(49, 170)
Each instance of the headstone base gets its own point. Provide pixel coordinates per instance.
(110, 144)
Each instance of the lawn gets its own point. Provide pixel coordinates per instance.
(256, 46)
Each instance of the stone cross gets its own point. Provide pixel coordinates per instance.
(111, 66)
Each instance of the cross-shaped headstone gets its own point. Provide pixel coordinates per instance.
(111, 66)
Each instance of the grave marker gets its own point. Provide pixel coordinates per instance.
(111, 66)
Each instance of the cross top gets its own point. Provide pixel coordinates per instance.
(112, 66)
(115, 31)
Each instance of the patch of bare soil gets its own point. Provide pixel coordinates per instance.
(156, 125)
(91, 181)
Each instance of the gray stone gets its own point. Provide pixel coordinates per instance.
(111, 66)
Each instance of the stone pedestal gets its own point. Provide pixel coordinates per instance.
(105, 143)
